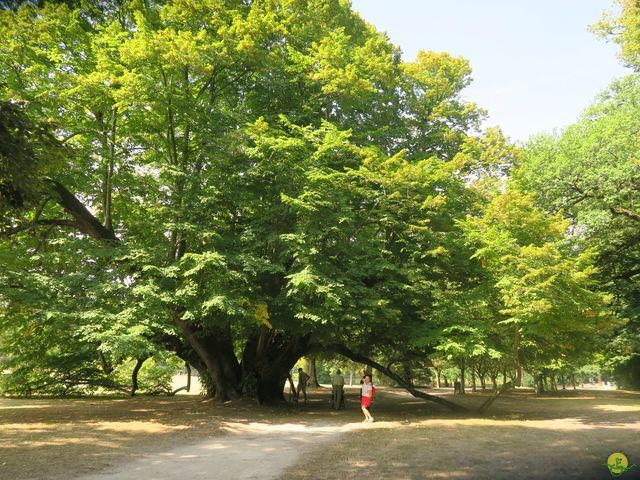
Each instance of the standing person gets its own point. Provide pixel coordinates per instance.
(368, 391)
(337, 390)
(303, 378)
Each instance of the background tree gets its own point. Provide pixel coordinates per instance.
(590, 173)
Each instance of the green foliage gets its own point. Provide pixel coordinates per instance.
(590, 173)
(28, 152)
(542, 284)
(262, 164)
(623, 29)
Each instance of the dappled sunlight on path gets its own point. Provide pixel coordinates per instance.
(248, 450)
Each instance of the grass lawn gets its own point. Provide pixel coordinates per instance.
(521, 436)
(61, 438)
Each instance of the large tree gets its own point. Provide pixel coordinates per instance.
(224, 179)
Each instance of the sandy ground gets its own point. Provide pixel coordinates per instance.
(249, 451)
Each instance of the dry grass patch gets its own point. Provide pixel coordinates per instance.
(523, 437)
(62, 438)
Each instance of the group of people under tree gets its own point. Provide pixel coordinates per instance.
(367, 391)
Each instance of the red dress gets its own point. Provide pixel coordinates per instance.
(364, 400)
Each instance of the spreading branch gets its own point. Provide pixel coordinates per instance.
(44, 221)
(625, 212)
(356, 357)
(84, 219)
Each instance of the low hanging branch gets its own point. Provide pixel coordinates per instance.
(187, 387)
(356, 357)
(487, 403)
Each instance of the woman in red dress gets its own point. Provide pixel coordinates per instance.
(368, 391)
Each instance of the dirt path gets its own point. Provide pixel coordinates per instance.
(248, 451)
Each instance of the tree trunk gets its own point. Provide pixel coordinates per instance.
(310, 366)
(268, 357)
(218, 362)
(494, 382)
(462, 377)
(187, 387)
(84, 219)
(107, 368)
(134, 375)
(473, 379)
(108, 155)
(438, 372)
(516, 356)
(406, 372)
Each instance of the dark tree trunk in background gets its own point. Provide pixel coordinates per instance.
(187, 387)
(310, 367)
(462, 377)
(406, 372)
(516, 356)
(494, 382)
(473, 379)
(134, 375)
(107, 368)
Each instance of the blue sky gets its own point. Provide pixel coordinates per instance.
(535, 64)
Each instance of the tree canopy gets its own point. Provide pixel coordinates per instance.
(245, 183)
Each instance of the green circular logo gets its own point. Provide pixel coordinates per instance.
(618, 463)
